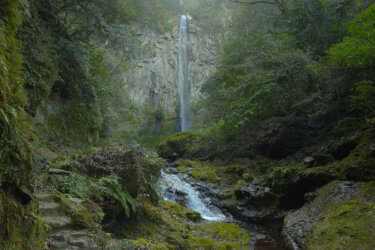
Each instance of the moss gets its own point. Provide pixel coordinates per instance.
(346, 225)
(368, 188)
(226, 235)
(194, 216)
(184, 169)
(81, 216)
(142, 243)
(176, 145)
(20, 227)
(168, 227)
(281, 178)
(248, 177)
(205, 173)
(15, 130)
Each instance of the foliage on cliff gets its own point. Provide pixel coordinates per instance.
(299, 64)
(20, 228)
(15, 158)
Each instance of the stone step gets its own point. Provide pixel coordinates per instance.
(48, 205)
(44, 196)
(66, 235)
(58, 245)
(57, 221)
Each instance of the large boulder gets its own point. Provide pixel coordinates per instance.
(341, 216)
(257, 194)
(176, 146)
(134, 167)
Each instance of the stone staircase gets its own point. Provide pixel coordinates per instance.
(63, 234)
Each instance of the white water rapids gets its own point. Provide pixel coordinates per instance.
(170, 184)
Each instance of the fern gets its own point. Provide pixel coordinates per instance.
(110, 187)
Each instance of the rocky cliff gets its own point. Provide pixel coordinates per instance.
(151, 80)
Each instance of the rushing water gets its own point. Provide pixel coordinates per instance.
(182, 77)
(176, 189)
(172, 187)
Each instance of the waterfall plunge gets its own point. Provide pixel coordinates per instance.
(183, 80)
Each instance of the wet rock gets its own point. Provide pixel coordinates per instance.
(322, 159)
(309, 161)
(179, 196)
(245, 212)
(257, 194)
(171, 171)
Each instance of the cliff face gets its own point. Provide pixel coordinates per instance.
(151, 80)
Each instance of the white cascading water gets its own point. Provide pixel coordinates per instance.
(183, 80)
(173, 182)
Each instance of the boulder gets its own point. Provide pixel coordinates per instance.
(258, 195)
(178, 196)
(134, 167)
(176, 146)
(341, 216)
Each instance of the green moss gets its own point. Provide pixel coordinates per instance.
(194, 216)
(368, 188)
(205, 173)
(346, 225)
(15, 132)
(169, 227)
(176, 145)
(81, 216)
(20, 227)
(142, 243)
(280, 177)
(226, 235)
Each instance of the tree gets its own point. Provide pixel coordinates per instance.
(280, 4)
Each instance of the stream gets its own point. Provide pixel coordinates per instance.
(174, 188)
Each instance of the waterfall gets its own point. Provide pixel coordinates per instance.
(171, 184)
(183, 83)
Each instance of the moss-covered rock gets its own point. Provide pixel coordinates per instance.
(205, 173)
(75, 209)
(21, 228)
(194, 216)
(176, 146)
(345, 225)
(136, 168)
(169, 226)
(342, 216)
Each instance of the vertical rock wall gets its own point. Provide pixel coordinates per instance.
(151, 80)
